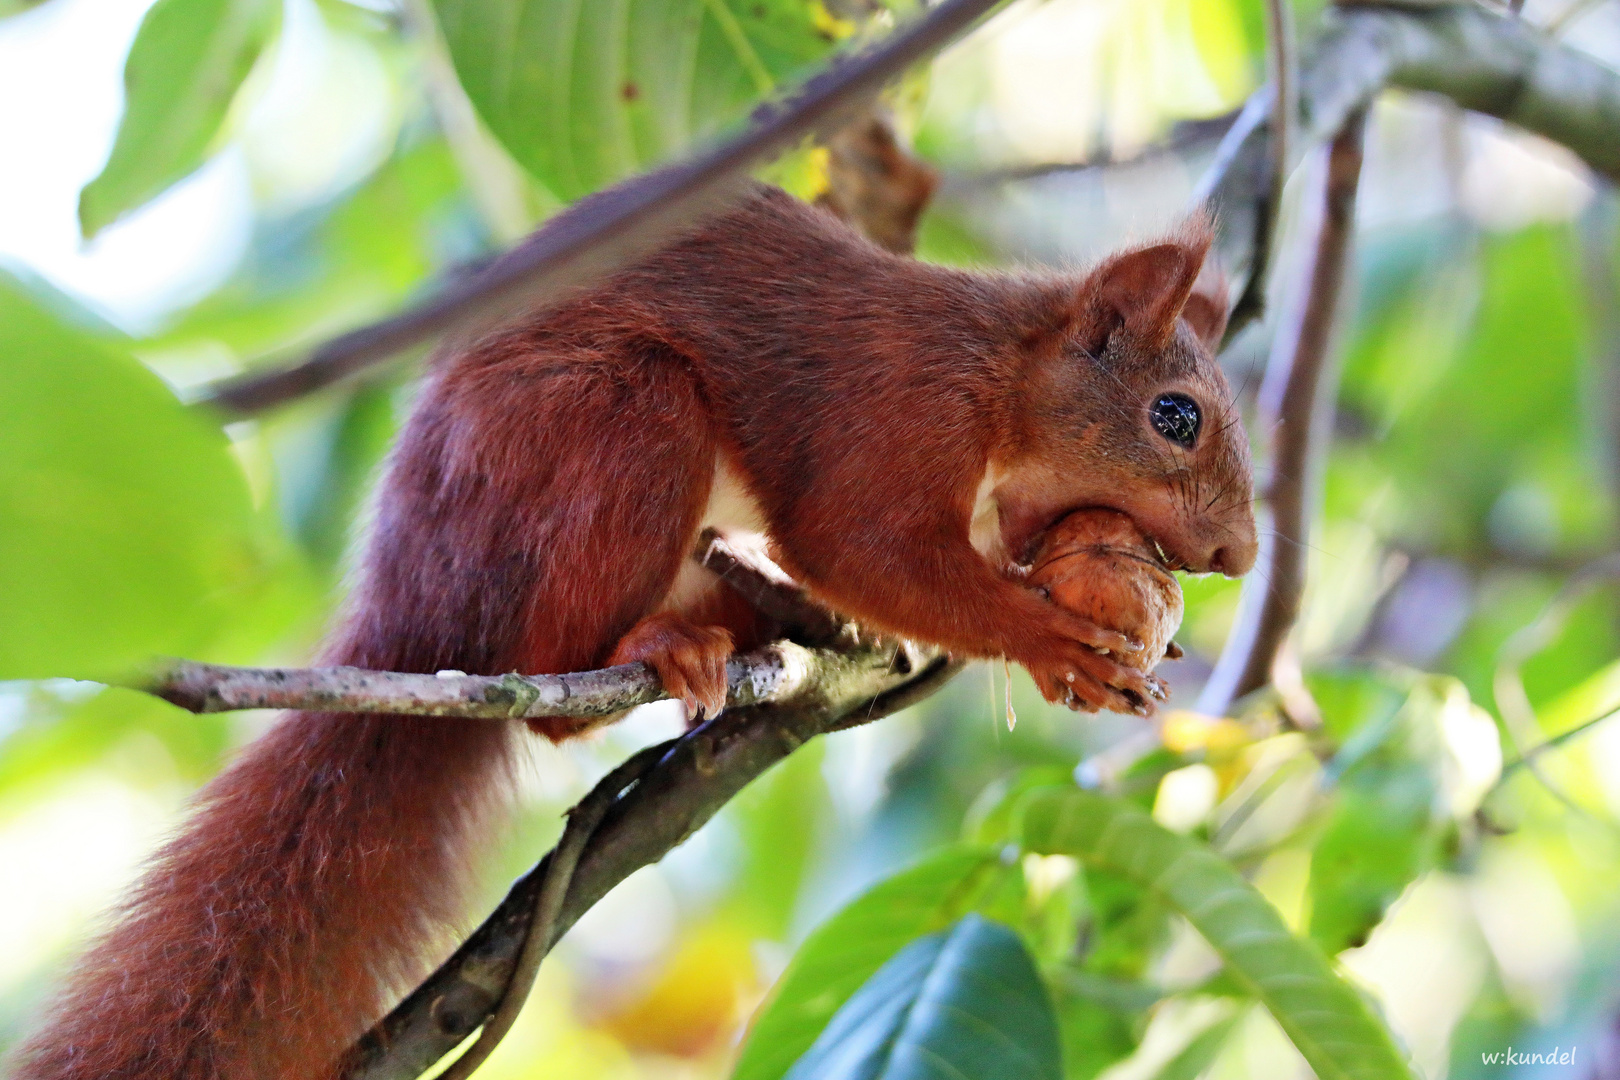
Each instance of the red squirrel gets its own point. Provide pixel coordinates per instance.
(901, 432)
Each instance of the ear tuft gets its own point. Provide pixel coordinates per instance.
(1146, 290)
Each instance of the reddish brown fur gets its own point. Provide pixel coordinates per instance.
(546, 491)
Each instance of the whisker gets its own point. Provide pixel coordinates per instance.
(1275, 535)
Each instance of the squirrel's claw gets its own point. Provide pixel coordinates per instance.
(690, 660)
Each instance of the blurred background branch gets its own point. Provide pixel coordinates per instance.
(1486, 62)
(1295, 408)
(1282, 63)
(1185, 136)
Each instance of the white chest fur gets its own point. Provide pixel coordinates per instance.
(731, 510)
(984, 527)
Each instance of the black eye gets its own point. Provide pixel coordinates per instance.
(1175, 416)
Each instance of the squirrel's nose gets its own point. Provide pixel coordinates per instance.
(1233, 560)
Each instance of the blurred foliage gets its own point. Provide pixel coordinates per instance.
(187, 62)
(583, 95)
(1207, 898)
(1327, 1020)
(129, 528)
(344, 260)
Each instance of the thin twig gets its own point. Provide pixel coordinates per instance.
(768, 674)
(1553, 742)
(1519, 721)
(1291, 408)
(614, 227)
(542, 934)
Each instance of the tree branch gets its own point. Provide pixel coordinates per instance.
(694, 776)
(1499, 66)
(1291, 407)
(776, 672)
(773, 673)
(614, 227)
(541, 930)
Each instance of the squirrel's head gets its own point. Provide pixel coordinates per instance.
(1125, 407)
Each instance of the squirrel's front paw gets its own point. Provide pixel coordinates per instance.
(1072, 673)
(690, 660)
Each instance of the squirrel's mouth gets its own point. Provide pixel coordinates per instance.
(1165, 559)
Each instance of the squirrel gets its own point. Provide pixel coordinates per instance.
(902, 433)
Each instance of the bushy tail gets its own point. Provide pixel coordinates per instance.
(277, 926)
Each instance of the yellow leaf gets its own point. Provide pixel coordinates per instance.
(695, 1001)
(1219, 737)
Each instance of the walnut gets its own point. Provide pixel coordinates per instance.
(1097, 564)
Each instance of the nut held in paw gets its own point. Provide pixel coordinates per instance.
(1097, 564)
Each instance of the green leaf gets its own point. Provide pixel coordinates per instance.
(1597, 695)
(964, 1003)
(1383, 827)
(187, 62)
(582, 94)
(1379, 838)
(1101, 1019)
(991, 819)
(1358, 709)
(125, 525)
(851, 946)
(1330, 1023)
(1199, 1053)
(1126, 925)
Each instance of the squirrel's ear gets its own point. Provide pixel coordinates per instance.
(1205, 310)
(1146, 290)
